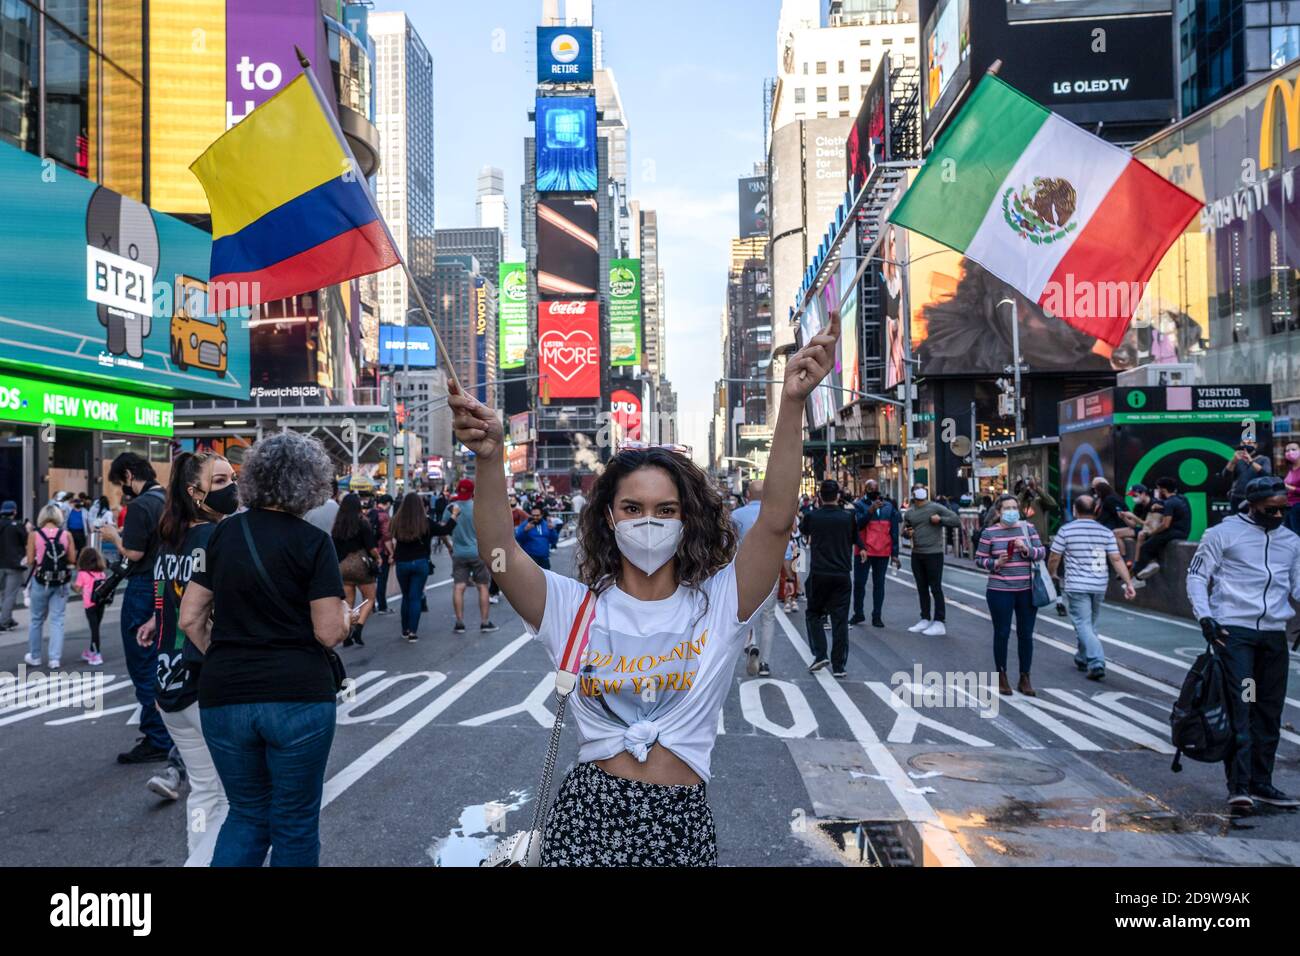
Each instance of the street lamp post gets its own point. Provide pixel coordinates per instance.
(1015, 358)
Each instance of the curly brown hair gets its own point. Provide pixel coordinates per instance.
(708, 535)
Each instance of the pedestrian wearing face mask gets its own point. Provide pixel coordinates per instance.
(667, 598)
(832, 532)
(1244, 467)
(923, 523)
(1254, 565)
(1007, 550)
(1292, 481)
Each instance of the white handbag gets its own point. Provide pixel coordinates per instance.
(524, 848)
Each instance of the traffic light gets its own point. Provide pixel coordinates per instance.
(544, 390)
(983, 432)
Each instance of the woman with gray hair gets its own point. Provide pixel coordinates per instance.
(266, 609)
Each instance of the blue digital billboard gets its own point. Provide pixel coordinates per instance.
(566, 144)
(564, 55)
(407, 344)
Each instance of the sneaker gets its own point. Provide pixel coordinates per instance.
(839, 675)
(818, 665)
(919, 626)
(1060, 609)
(857, 619)
(31, 661)
(1240, 801)
(877, 622)
(1138, 584)
(1099, 673)
(487, 627)
(96, 659)
(55, 663)
(166, 784)
(459, 627)
(1273, 796)
(1151, 569)
(8, 627)
(1080, 666)
(494, 599)
(936, 629)
(143, 752)
(764, 670)
(751, 666)
(412, 637)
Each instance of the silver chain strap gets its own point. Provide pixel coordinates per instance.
(548, 771)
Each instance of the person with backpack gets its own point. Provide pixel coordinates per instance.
(13, 550)
(52, 556)
(1254, 564)
(876, 547)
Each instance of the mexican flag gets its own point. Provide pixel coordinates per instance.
(1074, 223)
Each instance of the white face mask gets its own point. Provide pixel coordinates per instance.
(649, 543)
(920, 494)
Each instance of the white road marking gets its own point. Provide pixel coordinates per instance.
(338, 784)
(91, 715)
(24, 712)
(534, 705)
(938, 839)
(908, 718)
(751, 705)
(427, 681)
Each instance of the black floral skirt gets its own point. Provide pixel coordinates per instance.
(602, 820)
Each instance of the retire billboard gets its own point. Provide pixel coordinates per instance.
(120, 298)
(564, 55)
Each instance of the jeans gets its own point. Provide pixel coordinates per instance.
(927, 569)
(541, 561)
(829, 594)
(51, 602)
(1260, 656)
(11, 585)
(411, 578)
(763, 626)
(142, 662)
(381, 587)
(1002, 604)
(1085, 611)
(876, 568)
(271, 758)
(1152, 549)
(206, 807)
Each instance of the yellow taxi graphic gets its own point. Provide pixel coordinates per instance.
(198, 339)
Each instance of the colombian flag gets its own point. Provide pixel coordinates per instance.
(291, 213)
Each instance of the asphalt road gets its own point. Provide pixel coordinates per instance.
(443, 735)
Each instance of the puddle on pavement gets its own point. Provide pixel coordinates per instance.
(866, 842)
(481, 826)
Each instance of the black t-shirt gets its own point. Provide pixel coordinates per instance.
(178, 659)
(363, 540)
(1108, 512)
(1176, 508)
(13, 544)
(831, 532)
(263, 645)
(413, 550)
(140, 532)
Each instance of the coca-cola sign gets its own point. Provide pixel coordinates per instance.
(568, 348)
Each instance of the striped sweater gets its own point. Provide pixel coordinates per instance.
(1016, 574)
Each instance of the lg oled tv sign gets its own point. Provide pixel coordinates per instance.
(568, 348)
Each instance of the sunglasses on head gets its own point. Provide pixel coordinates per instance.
(646, 446)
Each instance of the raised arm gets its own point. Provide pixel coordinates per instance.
(759, 560)
(520, 579)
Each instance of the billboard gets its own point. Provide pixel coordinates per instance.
(945, 60)
(625, 311)
(564, 55)
(480, 338)
(512, 314)
(412, 345)
(120, 295)
(847, 363)
(753, 207)
(53, 403)
(260, 59)
(868, 142)
(568, 348)
(566, 144)
(568, 253)
(625, 413)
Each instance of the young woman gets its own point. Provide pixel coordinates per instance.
(51, 556)
(1291, 471)
(674, 598)
(358, 554)
(1007, 549)
(412, 532)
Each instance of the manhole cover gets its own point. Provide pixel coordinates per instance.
(988, 768)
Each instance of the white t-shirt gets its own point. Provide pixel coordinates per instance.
(663, 667)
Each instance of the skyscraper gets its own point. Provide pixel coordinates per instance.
(493, 210)
(1225, 45)
(404, 185)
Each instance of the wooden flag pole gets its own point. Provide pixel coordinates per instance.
(442, 349)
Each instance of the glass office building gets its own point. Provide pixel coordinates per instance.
(72, 88)
(1225, 44)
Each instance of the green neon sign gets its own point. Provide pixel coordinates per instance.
(50, 403)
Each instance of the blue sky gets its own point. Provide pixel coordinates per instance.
(691, 76)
